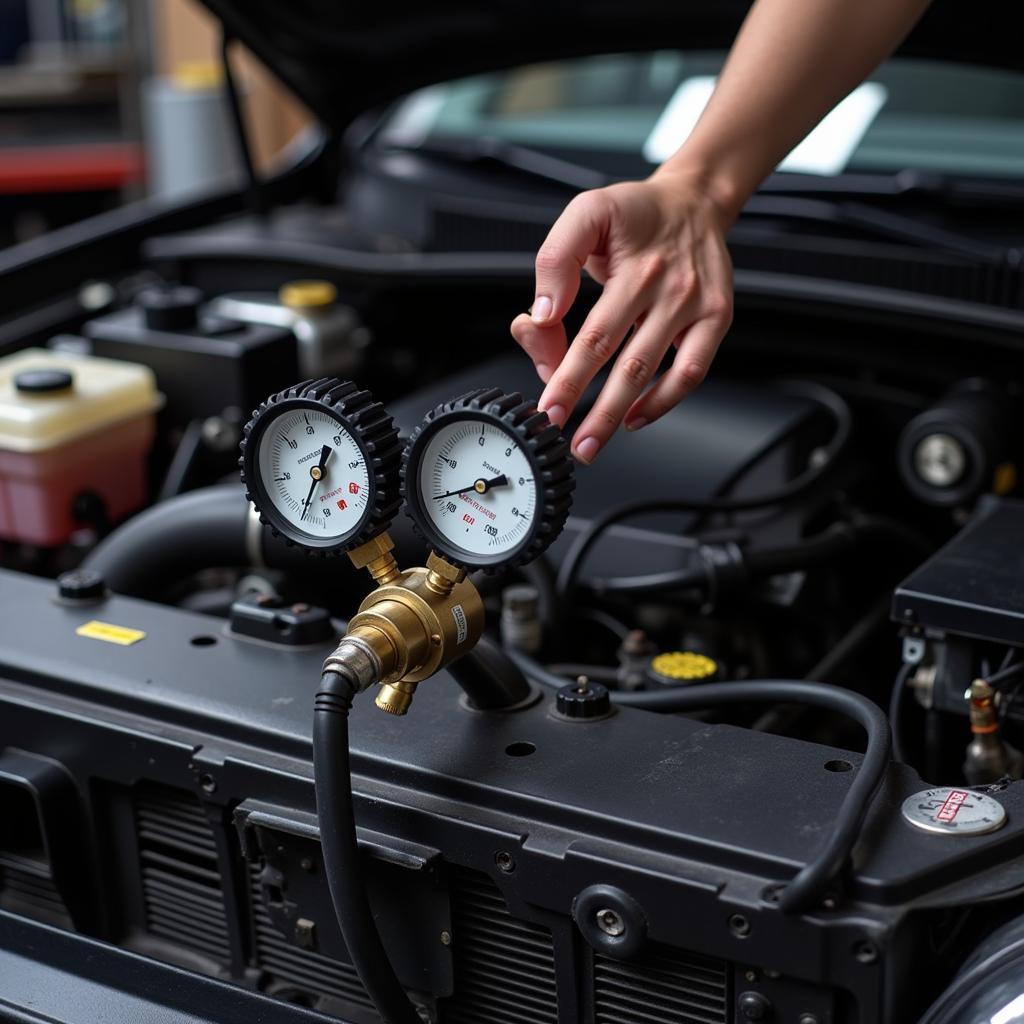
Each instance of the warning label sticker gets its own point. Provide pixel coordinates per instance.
(461, 626)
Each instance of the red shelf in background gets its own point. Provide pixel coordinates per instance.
(89, 167)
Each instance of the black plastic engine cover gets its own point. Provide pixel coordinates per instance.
(692, 822)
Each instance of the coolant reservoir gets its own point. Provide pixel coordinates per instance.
(71, 426)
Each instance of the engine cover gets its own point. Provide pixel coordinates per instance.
(497, 843)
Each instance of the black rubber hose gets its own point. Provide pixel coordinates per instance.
(489, 678)
(814, 880)
(828, 399)
(899, 688)
(185, 457)
(170, 541)
(802, 554)
(208, 528)
(333, 779)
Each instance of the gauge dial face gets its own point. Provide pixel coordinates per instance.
(314, 475)
(477, 491)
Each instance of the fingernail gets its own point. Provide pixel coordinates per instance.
(556, 413)
(587, 449)
(544, 372)
(541, 309)
(636, 424)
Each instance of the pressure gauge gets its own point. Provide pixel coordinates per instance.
(488, 480)
(320, 462)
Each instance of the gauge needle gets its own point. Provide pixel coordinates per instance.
(480, 486)
(317, 473)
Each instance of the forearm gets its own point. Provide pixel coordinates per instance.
(792, 61)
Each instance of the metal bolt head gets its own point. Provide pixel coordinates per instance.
(446, 938)
(754, 1006)
(505, 861)
(635, 642)
(305, 933)
(219, 435)
(610, 922)
(940, 460)
(865, 952)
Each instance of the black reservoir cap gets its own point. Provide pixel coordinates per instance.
(43, 381)
(582, 700)
(81, 585)
(170, 309)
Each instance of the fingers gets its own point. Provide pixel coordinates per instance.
(571, 240)
(633, 371)
(546, 346)
(599, 338)
(689, 368)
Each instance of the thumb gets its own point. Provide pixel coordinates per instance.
(570, 242)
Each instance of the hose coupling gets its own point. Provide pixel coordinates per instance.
(355, 658)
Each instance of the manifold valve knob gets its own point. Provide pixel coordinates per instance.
(395, 698)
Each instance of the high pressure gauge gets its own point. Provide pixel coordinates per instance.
(320, 462)
(488, 480)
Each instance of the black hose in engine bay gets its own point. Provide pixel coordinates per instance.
(819, 875)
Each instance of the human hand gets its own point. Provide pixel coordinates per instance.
(658, 248)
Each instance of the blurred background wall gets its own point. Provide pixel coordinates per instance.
(92, 90)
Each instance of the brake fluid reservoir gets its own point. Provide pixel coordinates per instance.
(71, 426)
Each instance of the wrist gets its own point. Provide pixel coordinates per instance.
(686, 174)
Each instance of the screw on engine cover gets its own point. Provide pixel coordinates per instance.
(739, 925)
(307, 864)
(808, 1018)
(446, 938)
(754, 1006)
(208, 783)
(505, 861)
(750, 975)
(865, 952)
(610, 922)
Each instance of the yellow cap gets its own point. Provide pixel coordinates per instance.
(198, 75)
(686, 666)
(307, 294)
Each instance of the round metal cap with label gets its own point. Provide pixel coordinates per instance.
(954, 812)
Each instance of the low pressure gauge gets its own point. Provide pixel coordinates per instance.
(320, 462)
(488, 480)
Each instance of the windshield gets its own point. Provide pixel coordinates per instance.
(627, 112)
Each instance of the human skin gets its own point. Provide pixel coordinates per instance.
(658, 246)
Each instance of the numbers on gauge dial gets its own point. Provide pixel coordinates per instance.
(477, 487)
(314, 473)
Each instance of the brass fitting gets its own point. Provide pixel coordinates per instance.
(415, 622)
(375, 556)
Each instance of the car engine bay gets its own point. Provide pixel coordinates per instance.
(834, 508)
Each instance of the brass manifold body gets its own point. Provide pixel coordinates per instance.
(414, 623)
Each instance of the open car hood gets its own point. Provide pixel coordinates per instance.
(343, 58)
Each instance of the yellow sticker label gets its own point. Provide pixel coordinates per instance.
(110, 633)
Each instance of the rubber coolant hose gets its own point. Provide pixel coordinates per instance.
(813, 881)
(210, 527)
(174, 539)
(333, 779)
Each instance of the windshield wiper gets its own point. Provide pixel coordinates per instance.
(514, 156)
(778, 198)
(881, 224)
(903, 184)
